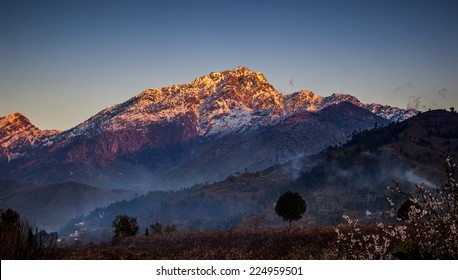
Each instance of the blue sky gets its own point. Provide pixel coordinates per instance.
(63, 61)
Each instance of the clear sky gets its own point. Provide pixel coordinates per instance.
(63, 61)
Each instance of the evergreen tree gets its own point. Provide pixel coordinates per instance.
(290, 206)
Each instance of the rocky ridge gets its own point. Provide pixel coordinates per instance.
(18, 135)
(221, 123)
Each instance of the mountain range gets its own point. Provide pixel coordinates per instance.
(180, 135)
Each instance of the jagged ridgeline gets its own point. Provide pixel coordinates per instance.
(180, 135)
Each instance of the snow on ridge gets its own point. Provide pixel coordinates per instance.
(223, 102)
(217, 99)
(302, 100)
(18, 134)
(391, 113)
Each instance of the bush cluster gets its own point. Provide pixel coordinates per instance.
(427, 226)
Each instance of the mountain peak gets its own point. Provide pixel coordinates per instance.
(163, 124)
(244, 71)
(15, 118)
(235, 75)
(16, 128)
(14, 115)
(17, 134)
(341, 97)
(241, 68)
(219, 103)
(302, 100)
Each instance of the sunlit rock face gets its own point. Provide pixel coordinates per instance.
(18, 135)
(178, 135)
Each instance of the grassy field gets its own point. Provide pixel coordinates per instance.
(270, 243)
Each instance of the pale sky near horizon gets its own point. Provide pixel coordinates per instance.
(63, 61)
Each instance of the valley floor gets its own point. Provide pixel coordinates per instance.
(271, 243)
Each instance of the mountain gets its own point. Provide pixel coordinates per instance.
(51, 206)
(18, 135)
(307, 100)
(202, 131)
(300, 134)
(351, 178)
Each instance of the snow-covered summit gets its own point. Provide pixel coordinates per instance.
(216, 100)
(221, 102)
(207, 128)
(216, 104)
(385, 111)
(391, 113)
(302, 100)
(309, 101)
(17, 134)
(337, 98)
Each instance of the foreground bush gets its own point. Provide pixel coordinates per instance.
(17, 240)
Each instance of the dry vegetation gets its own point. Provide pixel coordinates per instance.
(269, 243)
(17, 240)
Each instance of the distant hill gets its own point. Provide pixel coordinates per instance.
(51, 206)
(353, 178)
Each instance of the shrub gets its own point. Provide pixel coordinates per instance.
(170, 228)
(156, 228)
(125, 226)
(9, 218)
(290, 206)
(408, 250)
